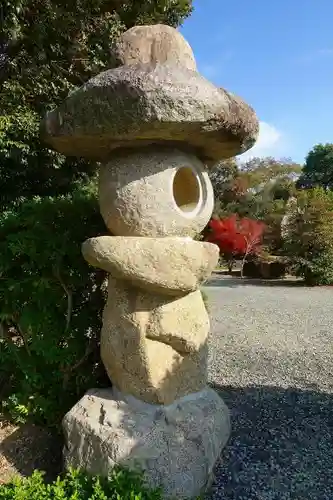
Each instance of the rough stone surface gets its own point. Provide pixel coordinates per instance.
(147, 104)
(137, 195)
(153, 44)
(152, 346)
(177, 445)
(166, 265)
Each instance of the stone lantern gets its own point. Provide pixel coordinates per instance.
(155, 125)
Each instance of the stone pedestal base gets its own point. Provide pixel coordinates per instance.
(176, 446)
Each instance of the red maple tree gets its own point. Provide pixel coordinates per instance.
(236, 237)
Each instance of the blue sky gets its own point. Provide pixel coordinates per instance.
(278, 56)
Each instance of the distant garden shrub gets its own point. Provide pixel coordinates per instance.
(259, 268)
(308, 235)
(76, 485)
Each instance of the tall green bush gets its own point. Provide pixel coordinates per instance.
(309, 236)
(51, 303)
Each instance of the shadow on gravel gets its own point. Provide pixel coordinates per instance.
(233, 282)
(30, 447)
(281, 447)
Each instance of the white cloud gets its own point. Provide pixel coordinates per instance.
(269, 143)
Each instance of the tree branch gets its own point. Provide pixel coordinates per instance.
(23, 337)
(70, 369)
(69, 294)
(248, 248)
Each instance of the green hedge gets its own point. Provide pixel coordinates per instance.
(51, 303)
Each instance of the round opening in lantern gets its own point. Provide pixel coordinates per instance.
(187, 191)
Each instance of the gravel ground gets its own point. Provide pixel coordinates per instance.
(271, 358)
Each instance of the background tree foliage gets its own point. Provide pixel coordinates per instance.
(294, 202)
(236, 238)
(50, 299)
(318, 168)
(258, 189)
(51, 46)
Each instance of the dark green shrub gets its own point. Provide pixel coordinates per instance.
(274, 270)
(265, 269)
(50, 306)
(317, 270)
(76, 485)
(251, 270)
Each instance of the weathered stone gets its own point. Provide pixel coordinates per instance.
(172, 266)
(153, 44)
(176, 446)
(152, 346)
(153, 123)
(155, 192)
(145, 104)
(176, 324)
